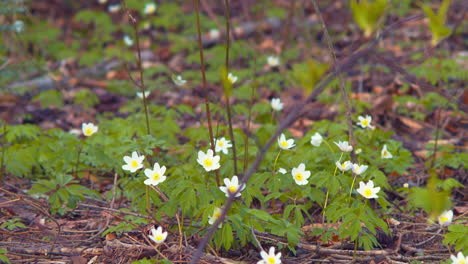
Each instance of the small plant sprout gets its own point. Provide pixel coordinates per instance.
(157, 235)
(367, 190)
(232, 186)
(134, 163)
(114, 8)
(140, 94)
(178, 80)
(316, 139)
(155, 175)
(385, 154)
(270, 257)
(445, 218)
(214, 33)
(89, 129)
(282, 171)
(276, 104)
(365, 122)
(216, 214)
(344, 146)
(208, 160)
(232, 78)
(273, 61)
(345, 166)
(128, 40)
(359, 169)
(300, 175)
(284, 143)
(150, 8)
(459, 259)
(222, 145)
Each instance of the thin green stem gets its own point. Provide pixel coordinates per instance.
(2, 160)
(328, 190)
(276, 160)
(249, 118)
(228, 105)
(340, 78)
(202, 62)
(329, 146)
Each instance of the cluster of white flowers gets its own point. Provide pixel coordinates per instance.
(348, 165)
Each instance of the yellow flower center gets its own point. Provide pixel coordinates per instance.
(367, 192)
(88, 131)
(365, 122)
(284, 144)
(208, 162)
(220, 143)
(462, 261)
(271, 260)
(299, 176)
(443, 219)
(386, 153)
(134, 164)
(232, 189)
(158, 237)
(156, 176)
(216, 215)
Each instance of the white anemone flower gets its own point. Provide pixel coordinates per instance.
(358, 151)
(385, 154)
(273, 61)
(284, 143)
(232, 186)
(316, 139)
(232, 78)
(128, 40)
(359, 169)
(216, 214)
(178, 80)
(140, 94)
(214, 33)
(459, 259)
(445, 218)
(114, 8)
(134, 163)
(89, 129)
(367, 190)
(155, 175)
(150, 8)
(300, 175)
(345, 166)
(365, 122)
(344, 146)
(222, 145)
(276, 104)
(282, 170)
(270, 257)
(157, 235)
(208, 160)
(18, 26)
(102, 2)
